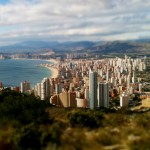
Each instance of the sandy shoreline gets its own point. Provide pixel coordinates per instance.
(53, 69)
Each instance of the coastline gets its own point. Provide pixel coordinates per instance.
(54, 72)
(52, 68)
(50, 72)
(54, 61)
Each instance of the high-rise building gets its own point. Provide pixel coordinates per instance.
(93, 103)
(58, 88)
(48, 93)
(124, 100)
(45, 89)
(128, 82)
(86, 94)
(25, 86)
(103, 94)
(134, 78)
(107, 74)
(39, 89)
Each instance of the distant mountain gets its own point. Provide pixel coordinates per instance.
(28, 46)
(136, 46)
(120, 47)
(74, 46)
(142, 40)
(33, 46)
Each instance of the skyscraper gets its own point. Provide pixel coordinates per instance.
(134, 78)
(39, 89)
(45, 89)
(93, 103)
(25, 86)
(107, 73)
(58, 88)
(103, 94)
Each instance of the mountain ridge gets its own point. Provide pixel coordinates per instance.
(132, 46)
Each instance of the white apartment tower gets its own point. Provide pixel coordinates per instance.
(107, 74)
(124, 100)
(45, 89)
(25, 86)
(103, 94)
(128, 82)
(134, 77)
(93, 103)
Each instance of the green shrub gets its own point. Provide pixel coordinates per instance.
(28, 137)
(90, 118)
(24, 108)
(52, 134)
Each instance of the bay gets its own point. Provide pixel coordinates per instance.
(13, 72)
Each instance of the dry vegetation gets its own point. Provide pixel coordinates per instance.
(118, 130)
(70, 129)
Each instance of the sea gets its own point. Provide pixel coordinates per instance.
(15, 71)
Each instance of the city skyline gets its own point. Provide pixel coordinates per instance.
(68, 20)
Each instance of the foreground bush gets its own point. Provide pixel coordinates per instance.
(87, 118)
(23, 108)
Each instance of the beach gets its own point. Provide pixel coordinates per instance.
(53, 70)
(52, 67)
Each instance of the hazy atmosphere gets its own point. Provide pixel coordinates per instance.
(73, 20)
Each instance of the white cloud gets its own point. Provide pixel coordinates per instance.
(74, 19)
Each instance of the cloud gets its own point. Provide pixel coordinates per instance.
(74, 20)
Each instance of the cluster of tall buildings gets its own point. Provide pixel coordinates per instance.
(91, 83)
(98, 92)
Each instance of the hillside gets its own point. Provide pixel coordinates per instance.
(39, 46)
(29, 123)
(73, 46)
(121, 47)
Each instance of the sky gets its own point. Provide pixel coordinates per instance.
(73, 20)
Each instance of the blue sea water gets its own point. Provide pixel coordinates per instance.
(13, 72)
